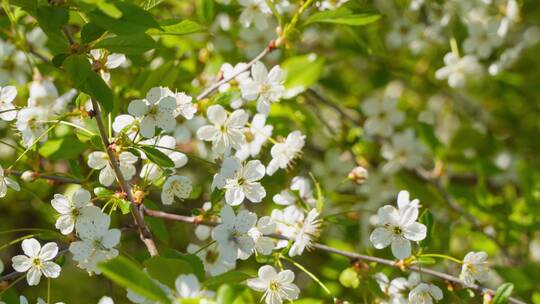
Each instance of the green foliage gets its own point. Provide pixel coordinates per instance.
(503, 293)
(127, 274)
(301, 72)
(134, 19)
(343, 16)
(68, 147)
(230, 277)
(157, 157)
(132, 44)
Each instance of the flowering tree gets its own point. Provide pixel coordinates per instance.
(269, 151)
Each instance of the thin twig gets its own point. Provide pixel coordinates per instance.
(269, 48)
(144, 232)
(60, 179)
(325, 248)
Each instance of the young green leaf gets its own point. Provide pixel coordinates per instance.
(503, 293)
(157, 157)
(343, 16)
(68, 147)
(301, 72)
(79, 68)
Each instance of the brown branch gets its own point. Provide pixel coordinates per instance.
(144, 232)
(352, 255)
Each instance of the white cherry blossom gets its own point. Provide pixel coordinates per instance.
(31, 124)
(232, 234)
(457, 69)
(284, 153)
(383, 115)
(212, 260)
(255, 11)
(256, 136)
(266, 87)
(225, 131)
(307, 230)
(245, 183)
(37, 261)
(99, 160)
(157, 110)
(96, 242)
(277, 287)
(397, 228)
(425, 293)
(105, 62)
(188, 287)
(475, 268)
(175, 186)
(403, 151)
(72, 209)
(7, 109)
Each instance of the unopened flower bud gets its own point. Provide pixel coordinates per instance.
(358, 175)
(488, 298)
(29, 176)
(138, 196)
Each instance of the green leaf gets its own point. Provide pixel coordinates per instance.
(91, 32)
(99, 90)
(59, 59)
(230, 277)
(133, 20)
(301, 72)
(166, 270)
(205, 10)
(193, 260)
(178, 27)
(149, 4)
(157, 157)
(124, 206)
(503, 293)
(29, 5)
(134, 44)
(343, 16)
(52, 18)
(68, 147)
(349, 278)
(128, 275)
(78, 68)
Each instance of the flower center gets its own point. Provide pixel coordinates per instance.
(153, 110)
(274, 286)
(37, 262)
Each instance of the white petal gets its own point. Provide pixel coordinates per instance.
(31, 247)
(51, 269)
(216, 114)
(48, 251)
(381, 238)
(33, 276)
(21, 263)
(81, 197)
(401, 248)
(115, 60)
(61, 204)
(137, 107)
